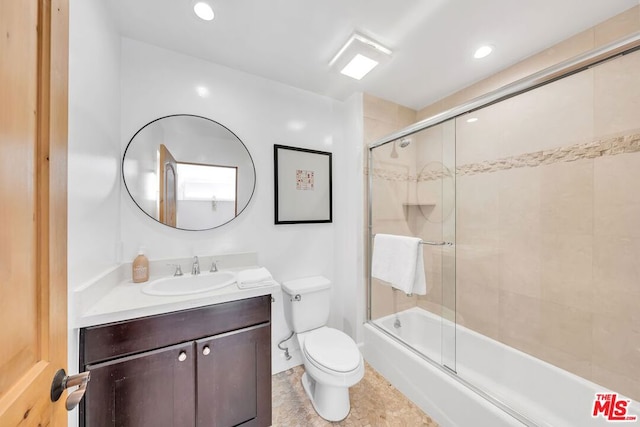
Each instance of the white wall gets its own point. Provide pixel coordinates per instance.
(158, 82)
(349, 305)
(94, 137)
(94, 151)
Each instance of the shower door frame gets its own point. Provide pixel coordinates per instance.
(561, 70)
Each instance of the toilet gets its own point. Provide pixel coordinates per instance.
(332, 360)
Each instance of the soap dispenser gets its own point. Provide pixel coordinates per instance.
(140, 268)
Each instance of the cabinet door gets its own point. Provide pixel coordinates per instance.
(154, 388)
(234, 378)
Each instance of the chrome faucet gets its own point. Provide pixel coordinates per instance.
(178, 271)
(195, 268)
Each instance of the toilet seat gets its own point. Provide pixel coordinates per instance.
(333, 350)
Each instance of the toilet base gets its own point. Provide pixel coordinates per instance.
(331, 403)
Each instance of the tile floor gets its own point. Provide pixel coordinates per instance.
(374, 403)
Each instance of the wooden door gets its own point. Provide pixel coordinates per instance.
(155, 388)
(233, 378)
(33, 232)
(168, 189)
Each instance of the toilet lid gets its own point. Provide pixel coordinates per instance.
(332, 349)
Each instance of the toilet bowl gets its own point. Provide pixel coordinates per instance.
(332, 360)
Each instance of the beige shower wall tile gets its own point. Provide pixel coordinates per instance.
(449, 278)
(478, 279)
(519, 193)
(428, 144)
(580, 366)
(480, 140)
(387, 111)
(381, 301)
(385, 300)
(520, 266)
(521, 321)
(567, 269)
(406, 116)
(388, 197)
(615, 345)
(617, 95)
(477, 305)
(380, 109)
(573, 46)
(433, 275)
(622, 383)
(426, 304)
(617, 279)
(551, 116)
(617, 196)
(617, 27)
(477, 201)
(567, 329)
(375, 129)
(425, 229)
(567, 197)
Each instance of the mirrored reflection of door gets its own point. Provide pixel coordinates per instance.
(168, 190)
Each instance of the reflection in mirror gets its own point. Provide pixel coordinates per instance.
(188, 172)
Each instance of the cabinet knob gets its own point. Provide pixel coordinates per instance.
(182, 356)
(206, 350)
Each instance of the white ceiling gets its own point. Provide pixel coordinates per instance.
(292, 41)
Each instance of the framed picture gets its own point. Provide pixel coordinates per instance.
(302, 185)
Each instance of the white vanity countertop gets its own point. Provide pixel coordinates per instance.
(127, 301)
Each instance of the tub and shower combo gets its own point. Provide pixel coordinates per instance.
(526, 201)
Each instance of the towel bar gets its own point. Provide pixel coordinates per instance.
(432, 243)
(428, 242)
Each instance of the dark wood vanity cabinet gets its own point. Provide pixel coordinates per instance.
(209, 366)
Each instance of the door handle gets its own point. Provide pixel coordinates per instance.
(62, 381)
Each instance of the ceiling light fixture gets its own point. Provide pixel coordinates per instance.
(359, 56)
(483, 52)
(203, 10)
(203, 92)
(472, 120)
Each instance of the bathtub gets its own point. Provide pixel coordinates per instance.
(523, 390)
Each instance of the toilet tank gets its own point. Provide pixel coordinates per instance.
(307, 303)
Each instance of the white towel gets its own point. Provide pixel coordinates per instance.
(256, 284)
(398, 261)
(253, 275)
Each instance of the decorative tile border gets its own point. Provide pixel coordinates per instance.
(405, 177)
(590, 150)
(571, 153)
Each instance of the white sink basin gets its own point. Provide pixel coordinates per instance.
(188, 284)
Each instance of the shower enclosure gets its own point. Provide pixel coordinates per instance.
(529, 203)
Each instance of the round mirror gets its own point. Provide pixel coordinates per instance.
(188, 172)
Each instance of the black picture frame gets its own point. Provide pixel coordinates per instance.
(303, 185)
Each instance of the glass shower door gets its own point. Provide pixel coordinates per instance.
(413, 194)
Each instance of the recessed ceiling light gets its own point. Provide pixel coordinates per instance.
(203, 10)
(203, 92)
(358, 56)
(483, 51)
(472, 120)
